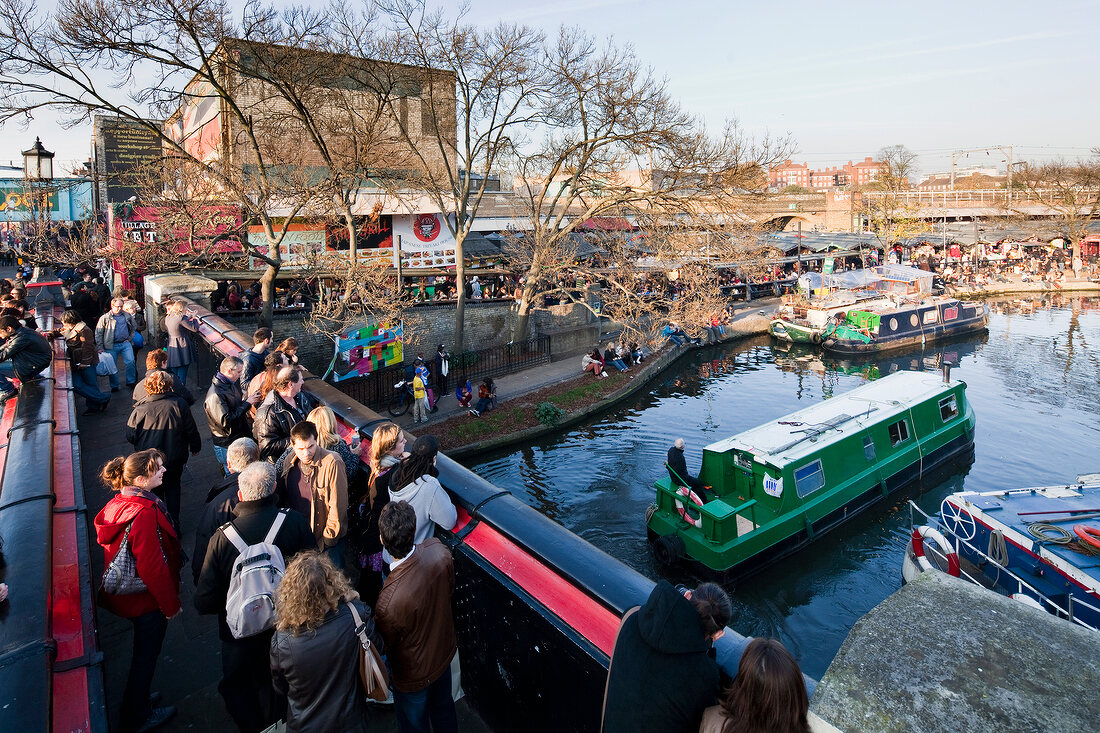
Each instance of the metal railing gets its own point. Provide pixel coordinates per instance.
(376, 389)
(976, 197)
(1050, 605)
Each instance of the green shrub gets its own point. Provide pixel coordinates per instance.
(548, 413)
(464, 360)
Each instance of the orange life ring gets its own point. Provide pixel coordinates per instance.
(1088, 534)
(691, 495)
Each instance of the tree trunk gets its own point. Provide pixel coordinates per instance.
(523, 312)
(460, 309)
(267, 292)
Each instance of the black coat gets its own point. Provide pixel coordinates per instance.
(226, 411)
(164, 422)
(677, 467)
(274, 419)
(28, 351)
(252, 519)
(178, 389)
(317, 671)
(253, 365)
(218, 510)
(663, 674)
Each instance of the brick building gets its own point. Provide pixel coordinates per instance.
(823, 179)
(340, 90)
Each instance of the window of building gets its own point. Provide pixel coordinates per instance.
(949, 408)
(899, 432)
(809, 478)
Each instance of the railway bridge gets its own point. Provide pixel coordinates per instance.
(840, 210)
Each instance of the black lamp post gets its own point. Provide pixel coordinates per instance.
(38, 162)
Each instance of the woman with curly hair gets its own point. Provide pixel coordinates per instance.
(315, 651)
(767, 696)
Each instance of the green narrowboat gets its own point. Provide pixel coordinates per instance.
(781, 485)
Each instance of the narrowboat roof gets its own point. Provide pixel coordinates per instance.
(806, 431)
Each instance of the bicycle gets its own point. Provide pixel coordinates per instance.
(402, 398)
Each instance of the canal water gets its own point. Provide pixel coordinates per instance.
(1034, 382)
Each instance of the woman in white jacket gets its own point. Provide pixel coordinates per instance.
(414, 481)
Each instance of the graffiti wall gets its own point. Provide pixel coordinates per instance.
(359, 352)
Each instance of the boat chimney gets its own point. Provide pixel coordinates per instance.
(947, 372)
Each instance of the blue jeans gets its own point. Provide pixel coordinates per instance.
(181, 372)
(430, 709)
(126, 349)
(678, 340)
(7, 371)
(220, 452)
(86, 385)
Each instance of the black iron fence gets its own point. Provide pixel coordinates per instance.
(376, 389)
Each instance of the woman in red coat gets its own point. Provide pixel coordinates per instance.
(153, 540)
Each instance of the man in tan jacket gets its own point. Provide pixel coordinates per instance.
(315, 483)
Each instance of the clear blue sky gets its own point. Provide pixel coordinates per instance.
(844, 79)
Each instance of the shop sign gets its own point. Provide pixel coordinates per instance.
(20, 199)
(426, 241)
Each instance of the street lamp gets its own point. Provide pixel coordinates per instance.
(38, 162)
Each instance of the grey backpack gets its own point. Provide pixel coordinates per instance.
(250, 603)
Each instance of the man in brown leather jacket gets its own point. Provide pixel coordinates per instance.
(414, 615)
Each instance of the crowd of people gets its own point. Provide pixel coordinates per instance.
(343, 536)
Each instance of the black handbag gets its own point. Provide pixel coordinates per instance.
(120, 577)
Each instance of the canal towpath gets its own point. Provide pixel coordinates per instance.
(748, 320)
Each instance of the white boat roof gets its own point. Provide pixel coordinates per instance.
(816, 426)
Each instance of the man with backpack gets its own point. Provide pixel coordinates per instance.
(244, 562)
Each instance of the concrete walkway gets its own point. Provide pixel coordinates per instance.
(190, 664)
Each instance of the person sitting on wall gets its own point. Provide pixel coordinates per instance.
(590, 363)
(663, 674)
(678, 470)
(26, 352)
(674, 333)
(611, 356)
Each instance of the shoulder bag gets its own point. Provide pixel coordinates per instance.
(120, 577)
(372, 670)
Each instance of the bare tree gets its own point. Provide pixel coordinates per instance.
(886, 210)
(158, 65)
(615, 146)
(469, 105)
(1068, 188)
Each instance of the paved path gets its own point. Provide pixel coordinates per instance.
(510, 386)
(190, 664)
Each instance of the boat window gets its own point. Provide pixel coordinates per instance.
(743, 460)
(949, 408)
(899, 432)
(809, 478)
(869, 448)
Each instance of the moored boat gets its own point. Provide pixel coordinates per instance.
(1038, 545)
(783, 484)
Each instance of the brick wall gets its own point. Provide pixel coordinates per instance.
(487, 325)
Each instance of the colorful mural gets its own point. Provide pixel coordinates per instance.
(361, 351)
